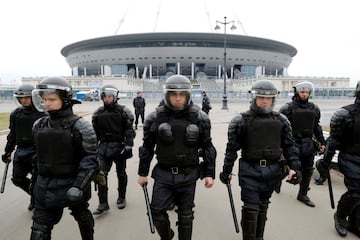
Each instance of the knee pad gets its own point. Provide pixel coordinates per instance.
(83, 216)
(40, 231)
(252, 206)
(185, 216)
(160, 216)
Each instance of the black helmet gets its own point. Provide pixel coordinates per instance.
(263, 88)
(303, 86)
(177, 83)
(109, 90)
(53, 85)
(23, 90)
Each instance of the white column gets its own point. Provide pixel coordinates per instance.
(178, 68)
(192, 70)
(150, 71)
(220, 71)
(137, 71)
(85, 74)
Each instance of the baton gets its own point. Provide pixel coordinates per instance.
(147, 201)
(331, 195)
(232, 208)
(4, 177)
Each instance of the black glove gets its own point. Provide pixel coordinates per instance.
(74, 194)
(127, 152)
(323, 168)
(5, 157)
(224, 178)
(296, 178)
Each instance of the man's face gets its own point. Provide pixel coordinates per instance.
(177, 99)
(52, 101)
(25, 101)
(264, 102)
(304, 94)
(108, 99)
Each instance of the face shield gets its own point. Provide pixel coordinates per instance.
(186, 91)
(38, 96)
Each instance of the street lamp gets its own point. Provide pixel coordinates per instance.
(217, 27)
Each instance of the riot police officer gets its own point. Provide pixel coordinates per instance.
(113, 124)
(263, 135)
(205, 104)
(304, 117)
(344, 136)
(20, 136)
(139, 106)
(177, 130)
(66, 160)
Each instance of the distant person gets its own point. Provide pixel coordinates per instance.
(66, 161)
(304, 117)
(139, 105)
(113, 124)
(344, 136)
(262, 135)
(206, 106)
(175, 132)
(20, 136)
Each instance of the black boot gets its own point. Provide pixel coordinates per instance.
(40, 232)
(262, 217)
(122, 184)
(304, 188)
(162, 225)
(86, 224)
(31, 204)
(249, 223)
(103, 199)
(185, 222)
(341, 225)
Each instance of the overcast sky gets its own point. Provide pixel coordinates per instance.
(326, 33)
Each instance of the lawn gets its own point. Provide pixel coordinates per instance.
(4, 121)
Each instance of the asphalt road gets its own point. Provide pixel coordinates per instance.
(288, 219)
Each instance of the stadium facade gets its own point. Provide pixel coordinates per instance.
(197, 55)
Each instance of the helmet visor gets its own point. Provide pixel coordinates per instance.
(38, 98)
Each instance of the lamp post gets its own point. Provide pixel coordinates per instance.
(217, 27)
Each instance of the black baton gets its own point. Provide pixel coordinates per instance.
(331, 195)
(232, 207)
(147, 201)
(4, 177)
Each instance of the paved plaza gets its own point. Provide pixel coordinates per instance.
(288, 219)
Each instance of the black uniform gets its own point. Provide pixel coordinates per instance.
(206, 106)
(139, 105)
(177, 136)
(66, 162)
(113, 127)
(344, 136)
(20, 136)
(265, 139)
(304, 117)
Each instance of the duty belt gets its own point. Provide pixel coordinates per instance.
(177, 170)
(264, 162)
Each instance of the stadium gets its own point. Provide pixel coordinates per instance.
(197, 55)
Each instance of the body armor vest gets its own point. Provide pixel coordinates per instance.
(351, 138)
(263, 138)
(23, 128)
(55, 151)
(181, 152)
(302, 121)
(110, 126)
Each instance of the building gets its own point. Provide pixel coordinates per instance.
(197, 55)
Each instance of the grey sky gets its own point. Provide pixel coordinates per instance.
(325, 32)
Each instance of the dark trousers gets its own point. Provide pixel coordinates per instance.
(137, 114)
